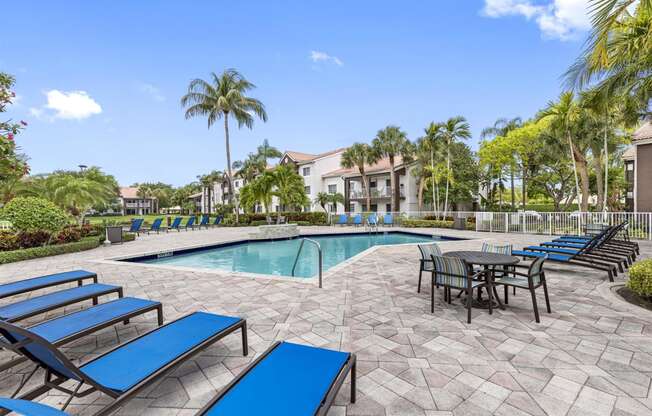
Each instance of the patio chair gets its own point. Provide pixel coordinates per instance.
(127, 369)
(425, 263)
(621, 239)
(455, 273)
(27, 408)
(203, 222)
(357, 220)
(372, 221)
(190, 223)
(606, 244)
(45, 303)
(136, 223)
(67, 328)
(176, 224)
(155, 227)
(287, 379)
(342, 219)
(531, 280)
(217, 221)
(35, 283)
(388, 220)
(505, 249)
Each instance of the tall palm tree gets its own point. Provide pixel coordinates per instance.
(452, 129)
(360, 155)
(265, 151)
(563, 115)
(501, 128)
(222, 96)
(432, 144)
(391, 142)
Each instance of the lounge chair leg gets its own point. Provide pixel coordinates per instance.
(534, 305)
(95, 301)
(491, 301)
(545, 293)
(245, 342)
(450, 300)
(419, 285)
(611, 275)
(469, 301)
(353, 382)
(159, 312)
(432, 298)
(514, 291)
(24, 381)
(506, 295)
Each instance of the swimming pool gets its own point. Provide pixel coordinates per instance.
(277, 257)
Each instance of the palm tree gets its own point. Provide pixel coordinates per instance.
(452, 129)
(289, 187)
(358, 155)
(391, 142)
(207, 182)
(563, 115)
(501, 128)
(260, 190)
(265, 151)
(222, 96)
(322, 199)
(432, 144)
(336, 198)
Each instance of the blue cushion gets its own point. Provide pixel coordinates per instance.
(64, 326)
(572, 240)
(551, 256)
(46, 302)
(27, 408)
(569, 251)
(121, 369)
(561, 244)
(291, 381)
(21, 286)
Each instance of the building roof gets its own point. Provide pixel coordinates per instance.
(131, 192)
(644, 132)
(193, 196)
(629, 153)
(381, 166)
(300, 157)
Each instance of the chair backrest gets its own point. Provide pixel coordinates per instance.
(190, 222)
(157, 223)
(204, 220)
(497, 248)
(428, 250)
(450, 271)
(593, 229)
(597, 240)
(536, 269)
(388, 219)
(357, 219)
(136, 223)
(38, 350)
(176, 222)
(343, 219)
(218, 220)
(372, 219)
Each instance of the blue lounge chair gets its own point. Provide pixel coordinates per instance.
(42, 282)
(372, 220)
(45, 303)
(156, 226)
(204, 221)
(388, 220)
(128, 368)
(67, 328)
(357, 220)
(342, 219)
(190, 223)
(27, 408)
(176, 223)
(287, 379)
(217, 221)
(136, 223)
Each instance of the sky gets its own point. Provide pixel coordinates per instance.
(99, 83)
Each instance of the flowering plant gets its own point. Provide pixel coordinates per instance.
(12, 163)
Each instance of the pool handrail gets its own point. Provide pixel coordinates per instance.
(303, 240)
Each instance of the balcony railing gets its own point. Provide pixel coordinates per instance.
(377, 193)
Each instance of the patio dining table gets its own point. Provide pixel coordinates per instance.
(489, 261)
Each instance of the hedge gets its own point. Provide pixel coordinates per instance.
(426, 224)
(313, 218)
(640, 278)
(45, 251)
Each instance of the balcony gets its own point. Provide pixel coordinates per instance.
(376, 193)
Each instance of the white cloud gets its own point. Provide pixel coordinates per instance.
(67, 105)
(557, 19)
(318, 56)
(152, 90)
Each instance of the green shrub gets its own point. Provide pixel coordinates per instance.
(31, 214)
(640, 278)
(128, 237)
(257, 223)
(303, 223)
(426, 224)
(68, 235)
(29, 239)
(8, 240)
(45, 251)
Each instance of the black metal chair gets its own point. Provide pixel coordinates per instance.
(533, 279)
(425, 263)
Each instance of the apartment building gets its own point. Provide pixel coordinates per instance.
(638, 170)
(132, 204)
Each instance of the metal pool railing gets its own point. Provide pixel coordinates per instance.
(294, 266)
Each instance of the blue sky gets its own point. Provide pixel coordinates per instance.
(99, 82)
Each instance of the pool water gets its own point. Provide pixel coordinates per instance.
(277, 257)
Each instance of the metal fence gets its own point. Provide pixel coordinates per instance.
(533, 222)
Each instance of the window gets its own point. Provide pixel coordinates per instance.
(388, 207)
(388, 182)
(630, 166)
(306, 171)
(333, 207)
(332, 189)
(372, 184)
(307, 189)
(374, 208)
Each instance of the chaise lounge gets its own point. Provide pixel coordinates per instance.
(42, 282)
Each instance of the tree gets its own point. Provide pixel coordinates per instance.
(181, 194)
(360, 155)
(390, 143)
(451, 130)
(322, 199)
(265, 151)
(258, 191)
(288, 187)
(159, 190)
(207, 182)
(223, 96)
(336, 198)
(13, 165)
(432, 144)
(501, 128)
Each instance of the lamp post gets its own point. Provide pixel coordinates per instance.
(82, 167)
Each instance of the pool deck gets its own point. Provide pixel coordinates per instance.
(591, 356)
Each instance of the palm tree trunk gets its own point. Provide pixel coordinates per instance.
(582, 167)
(228, 163)
(511, 178)
(365, 190)
(435, 204)
(572, 153)
(606, 162)
(391, 184)
(599, 180)
(448, 168)
(524, 188)
(422, 185)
